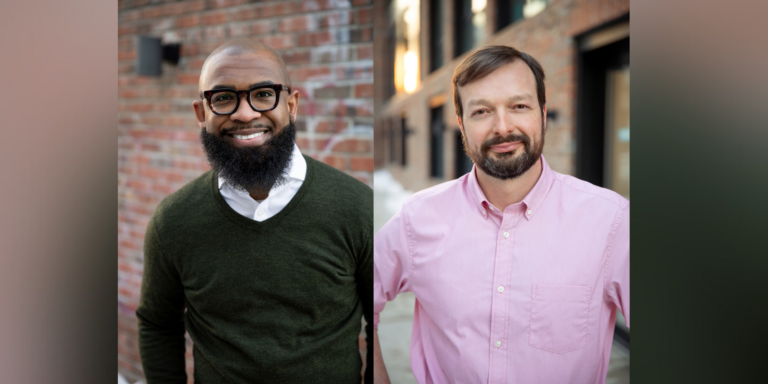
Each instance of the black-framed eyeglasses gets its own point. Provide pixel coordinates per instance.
(262, 98)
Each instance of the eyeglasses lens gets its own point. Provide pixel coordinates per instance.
(226, 101)
(263, 98)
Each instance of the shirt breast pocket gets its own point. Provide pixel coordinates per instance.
(559, 317)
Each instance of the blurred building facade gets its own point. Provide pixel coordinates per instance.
(328, 48)
(583, 46)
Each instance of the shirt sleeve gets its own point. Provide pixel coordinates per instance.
(617, 268)
(161, 315)
(392, 262)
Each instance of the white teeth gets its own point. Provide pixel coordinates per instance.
(248, 137)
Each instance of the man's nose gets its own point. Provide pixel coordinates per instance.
(503, 124)
(244, 112)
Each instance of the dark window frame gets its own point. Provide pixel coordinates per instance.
(436, 36)
(437, 143)
(462, 27)
(508, 12)
(462, 163)
(590, 102)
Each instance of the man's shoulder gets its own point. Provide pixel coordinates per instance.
(583, 189)
(185, 199)
(337, 198)
(333, 182)
(439, 196)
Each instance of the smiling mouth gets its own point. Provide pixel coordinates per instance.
(506, 147)
(248, 137)
(246, 133)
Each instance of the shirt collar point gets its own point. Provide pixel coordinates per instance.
(536, 197)
(475, 190)
(298, 165)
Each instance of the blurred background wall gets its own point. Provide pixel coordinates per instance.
(328, 48)
(583, 46)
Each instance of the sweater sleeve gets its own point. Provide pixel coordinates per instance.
(364, 277)
(161, 315)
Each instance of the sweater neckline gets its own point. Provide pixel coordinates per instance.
(272, 222)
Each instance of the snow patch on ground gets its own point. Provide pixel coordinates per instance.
(388, 197)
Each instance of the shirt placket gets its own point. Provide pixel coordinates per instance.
(502, 271)
(262, 209)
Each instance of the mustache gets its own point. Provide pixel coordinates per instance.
(227, 131)
(506, 139)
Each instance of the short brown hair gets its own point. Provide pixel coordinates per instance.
(485, 60)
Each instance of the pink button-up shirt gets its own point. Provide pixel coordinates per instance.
(528, 295)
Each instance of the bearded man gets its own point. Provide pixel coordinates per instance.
(518, 271)
(266, 259)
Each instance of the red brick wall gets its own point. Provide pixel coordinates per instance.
(328, 48)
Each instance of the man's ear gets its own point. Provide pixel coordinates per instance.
(293, 104)
(199, 112)
(544, 117)
(458, 118)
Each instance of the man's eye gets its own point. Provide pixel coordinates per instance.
(263, 94)
(223, 98)
(478, 113)
(521, 106)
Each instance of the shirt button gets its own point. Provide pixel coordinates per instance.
(260, 212)
(484, 213)
(498, 343)
(501, 288)
(530, 212)
(506, 234)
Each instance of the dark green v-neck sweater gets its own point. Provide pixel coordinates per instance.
(278, 301)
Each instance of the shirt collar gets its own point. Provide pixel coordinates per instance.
(297, 171)
(532, 200)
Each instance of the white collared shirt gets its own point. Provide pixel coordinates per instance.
(278, 198)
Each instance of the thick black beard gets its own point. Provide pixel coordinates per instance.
(507, 166)
(255, 169)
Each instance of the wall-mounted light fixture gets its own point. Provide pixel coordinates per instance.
(150, 54)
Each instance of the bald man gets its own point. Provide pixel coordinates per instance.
(266, 260)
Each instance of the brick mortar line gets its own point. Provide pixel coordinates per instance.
(276, 20)
(300, 48)
(319, 29)
(289, 50)
(334, 64)
(243, 6)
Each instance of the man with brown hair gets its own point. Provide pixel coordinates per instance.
(266, 260)
(518, 271)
